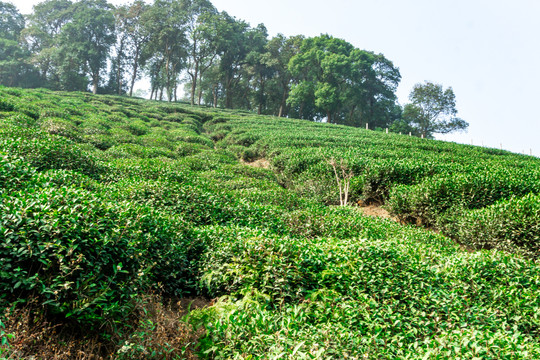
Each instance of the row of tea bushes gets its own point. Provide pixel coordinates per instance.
(106, 198)
(397, 293)
(509, 225)
(419, 181)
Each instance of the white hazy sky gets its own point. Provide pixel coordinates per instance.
(488, 51)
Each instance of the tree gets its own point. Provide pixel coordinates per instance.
(346, 85)
(72, 41)
(42, 39)
(372, 97)
(433, 110)
(132, 37)
(165, 53)
(202, 35)
(11, 22)
(15, 68)
(281, 49)
(322, 69)
(234, 46)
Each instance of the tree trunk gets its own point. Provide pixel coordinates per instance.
(135, 68)
(351, 113)
(95, 81)
(200, 89)
(261, 97)
(118, 80)
(283, 103)
(193, 87)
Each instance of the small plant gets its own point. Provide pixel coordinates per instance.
(343, 179)
(4, 340)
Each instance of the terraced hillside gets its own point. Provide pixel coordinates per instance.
(114, 208)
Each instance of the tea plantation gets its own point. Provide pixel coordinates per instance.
(105, 201)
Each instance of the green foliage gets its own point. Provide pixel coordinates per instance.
(511, 225)
(100, 204)
(388, 298)
(46, 151)
(81, 257)
(433, 110)
(425, 201)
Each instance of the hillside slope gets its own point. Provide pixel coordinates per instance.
(105, 200)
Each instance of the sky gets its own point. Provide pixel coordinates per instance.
(488, 51)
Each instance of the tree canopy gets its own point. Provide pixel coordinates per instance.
(211, 58)
(433, 110)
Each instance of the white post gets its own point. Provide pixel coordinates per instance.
(387, 130)
(367, 126)
(410, 133)
(422, 136)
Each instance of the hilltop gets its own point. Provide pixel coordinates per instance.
(143, 223)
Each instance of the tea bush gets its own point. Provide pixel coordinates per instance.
(511, 225)
(46, 151)
(435, 195)
(106, 198)
(81, 257)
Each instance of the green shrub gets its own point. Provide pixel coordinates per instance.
(136, 128)
(14, 173)
(187, 149)
(45, 151)
(56, 126)
(21, 120)
(84, 258)
(6, 105)
(138, 151)
(510, 225)
(425, 202)
(28, 110)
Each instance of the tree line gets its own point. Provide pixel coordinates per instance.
(212, 57)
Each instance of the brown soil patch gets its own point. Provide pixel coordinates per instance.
(156, 325)
(377, 211)
(259, 163)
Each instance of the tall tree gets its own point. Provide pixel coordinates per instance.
(202, 35)
(233, 48)
(42, 38)
(11, 22)
(322, 68)
(90, 36)
(165, 52)
(372, 97)
(132, 36)
(433, 110)
(15, 61)
(281, 49)
(336, 81)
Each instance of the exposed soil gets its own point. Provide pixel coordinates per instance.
(191, 303)
(259, 163)
(377, 211)
(36, 337)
